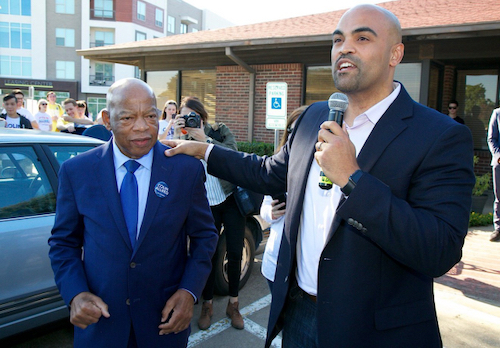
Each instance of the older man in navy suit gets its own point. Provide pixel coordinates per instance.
(119, 246)
(357, 262)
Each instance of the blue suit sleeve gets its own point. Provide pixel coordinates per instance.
(203, 238)
(66, 242)
(426, 229)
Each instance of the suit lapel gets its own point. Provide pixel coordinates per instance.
(105, 171)
(389, 126)
(159, 172)
(299, 166)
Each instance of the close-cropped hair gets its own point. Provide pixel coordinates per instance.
(18, 91)
(70, 101)
(9, 96)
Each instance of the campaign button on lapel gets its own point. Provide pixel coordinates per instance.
(161, 189)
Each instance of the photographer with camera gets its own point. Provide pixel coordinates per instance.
(192, 124)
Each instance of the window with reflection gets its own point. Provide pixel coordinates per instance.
(25, 188)
(201, 84)
(164, 84)
(477, 97)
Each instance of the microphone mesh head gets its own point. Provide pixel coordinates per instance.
(338, 101)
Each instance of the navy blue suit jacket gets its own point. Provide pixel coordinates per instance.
(375, 288)
(135, 283)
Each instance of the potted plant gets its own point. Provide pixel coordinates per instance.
(479, 197)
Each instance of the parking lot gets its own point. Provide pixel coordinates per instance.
(467, 301)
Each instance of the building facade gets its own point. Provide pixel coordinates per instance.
(452, 51)
(39, 40)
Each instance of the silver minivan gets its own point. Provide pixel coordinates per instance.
(29, 162)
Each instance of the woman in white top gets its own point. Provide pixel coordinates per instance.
(165, 126)
(273, 211)
(43, 119)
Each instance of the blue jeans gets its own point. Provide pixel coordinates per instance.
(300, 328)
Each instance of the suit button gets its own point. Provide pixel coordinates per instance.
(127, 302)
(364, 230)
(286, 279)
(132, 265)
(350, 221)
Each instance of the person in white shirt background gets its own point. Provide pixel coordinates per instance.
(43, 119)
(23, 111)
(166, 129)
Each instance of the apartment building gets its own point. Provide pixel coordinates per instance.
(39, 40)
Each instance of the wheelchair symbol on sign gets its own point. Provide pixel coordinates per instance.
(276, 103)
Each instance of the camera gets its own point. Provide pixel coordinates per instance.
(192, 120)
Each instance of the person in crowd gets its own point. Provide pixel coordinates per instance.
(21, 110)
(125, 268)
(452, 111)
(12, 118)
(273, 212)
(224, 209)
(167, 120)
(72, 121)
(494, 146)
(54, 109)
(357, 262)
(43, 119)
(81, 106)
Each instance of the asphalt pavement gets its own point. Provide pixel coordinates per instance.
(467, 302)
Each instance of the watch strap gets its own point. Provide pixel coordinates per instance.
(351, 184)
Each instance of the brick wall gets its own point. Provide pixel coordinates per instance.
(448, 87)
(483, 166)
(232, 92)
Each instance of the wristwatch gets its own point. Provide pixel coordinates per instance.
(351, 184)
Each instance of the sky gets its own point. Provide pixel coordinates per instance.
(256, 11)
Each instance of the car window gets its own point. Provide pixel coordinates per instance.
(63, 153)
(24, 187)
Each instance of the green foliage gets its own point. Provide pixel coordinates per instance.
(480, 219)
(481, 185)
(475, 96)
(257, 148)
(482, 182)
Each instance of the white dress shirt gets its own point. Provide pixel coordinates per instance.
(320, 205)
(142, 174)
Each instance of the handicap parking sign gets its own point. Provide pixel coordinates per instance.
(276, 103)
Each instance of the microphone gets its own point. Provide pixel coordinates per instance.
(337, 103)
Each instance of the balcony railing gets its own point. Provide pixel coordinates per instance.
(100, 44)
(102, 14)
(99, 80)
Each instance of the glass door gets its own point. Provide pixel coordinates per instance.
(477, 94)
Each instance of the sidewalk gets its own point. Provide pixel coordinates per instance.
(477, 275)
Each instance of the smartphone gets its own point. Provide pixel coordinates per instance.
(281, 198)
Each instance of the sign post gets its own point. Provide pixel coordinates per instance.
(276, 104)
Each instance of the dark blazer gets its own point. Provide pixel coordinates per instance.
(135, 283)
(375, 286)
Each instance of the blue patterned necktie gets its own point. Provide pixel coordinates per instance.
(130, 199)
